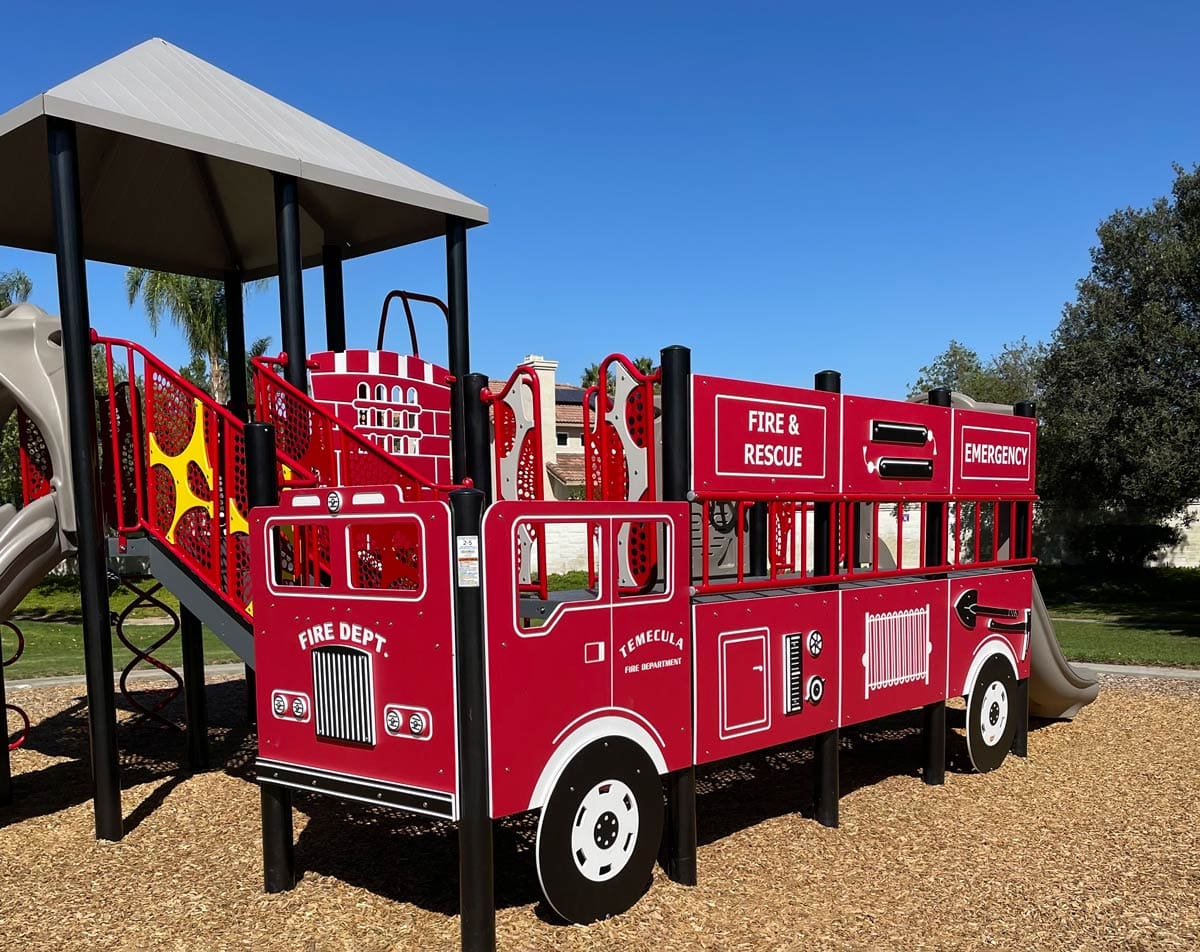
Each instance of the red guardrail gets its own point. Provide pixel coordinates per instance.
(175, 468)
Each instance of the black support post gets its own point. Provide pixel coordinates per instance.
(251, 695)
(758, 538)
(5, 763)
(1020, 743)
(827, 749)
(934, 733)
(459, 340)
(828, 381)
(479, 444)
(335, 298)
(934, 720)
(676, 364)
(235, 344)
(935, 532)
(279, 851)
(476, 900)
(291, 285)
(85, 474)
(195, 703)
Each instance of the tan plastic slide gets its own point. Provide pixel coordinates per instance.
(1056, 689)
(35, 538)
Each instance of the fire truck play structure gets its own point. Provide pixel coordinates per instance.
(372, 538)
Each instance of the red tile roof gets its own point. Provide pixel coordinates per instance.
(569, 470)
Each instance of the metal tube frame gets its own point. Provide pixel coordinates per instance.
(335, 298)
(195, 703)
(676, 370)
(235, 345)
(85, 474)
(459, 341)
(291, 284)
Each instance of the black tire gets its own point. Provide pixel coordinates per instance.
(599, 833)
(991, 720)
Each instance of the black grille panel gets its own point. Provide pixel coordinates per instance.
(342, 701)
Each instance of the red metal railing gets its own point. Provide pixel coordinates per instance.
(333, 452)
(176, 462)
(979, 527)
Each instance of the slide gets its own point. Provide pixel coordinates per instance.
(1056, 689)
(35, 538)
(30, 546)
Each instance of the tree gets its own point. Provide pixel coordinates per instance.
(15, 286)
(1122, 378)
(196, 370)
(591, 374)
(1012, 375)
(197, 307)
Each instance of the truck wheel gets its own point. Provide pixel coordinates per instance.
(599, 832)
(991, 722)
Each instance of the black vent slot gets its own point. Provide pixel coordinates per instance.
(793, 673)
(892, 468)
(342, 695)
(905, 434)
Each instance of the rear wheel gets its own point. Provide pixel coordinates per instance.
(599, 832)
(991, 720)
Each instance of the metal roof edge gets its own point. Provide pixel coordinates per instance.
(461, 207)
(20, 115)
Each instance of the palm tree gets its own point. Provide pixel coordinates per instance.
(591, 375)
(15, 286)
(197, 307)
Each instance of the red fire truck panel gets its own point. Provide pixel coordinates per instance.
(588, 662)
(894, 448)
(758, 437)
(989, 608)
(994, 453)
(766, 671)
(894, 648)
(357, 634)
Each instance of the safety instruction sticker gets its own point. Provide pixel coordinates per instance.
(468, 561)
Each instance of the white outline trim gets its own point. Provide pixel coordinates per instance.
(762, 635)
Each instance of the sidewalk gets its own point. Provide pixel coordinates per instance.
(77, 680)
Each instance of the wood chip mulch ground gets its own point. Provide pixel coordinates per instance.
(1091, 843)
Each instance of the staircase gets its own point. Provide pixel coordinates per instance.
(174, 482)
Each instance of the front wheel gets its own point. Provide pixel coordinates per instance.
(599, 833)
(991, 721)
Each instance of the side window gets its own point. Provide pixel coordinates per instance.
(396, 393)
(643, 567)
(363, 391)
(555, 564)
(387, 557)
(380, 392)
(301, 556)
(412, 395)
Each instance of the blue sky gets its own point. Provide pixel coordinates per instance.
(783, 187)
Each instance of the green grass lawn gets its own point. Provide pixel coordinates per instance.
(53, 648)
(1140, 616)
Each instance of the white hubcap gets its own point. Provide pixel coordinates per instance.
(993, 714)
(605, 830)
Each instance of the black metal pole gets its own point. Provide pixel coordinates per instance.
(251, 695)
(459, 339)
(934, 733)
(291, 285)
(235, 344)
(335, 298)
(476, 899)
(85, 475)
(826, 750)
(479, 444)
(193, 689)
(676, 364)
(5, 763)
(935, 532)
(279, 852)
(1028, 409)
(1020, 743)
(828, 381)
(758, 539)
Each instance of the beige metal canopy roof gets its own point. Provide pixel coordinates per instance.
(175, 163)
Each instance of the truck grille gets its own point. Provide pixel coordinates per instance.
(342, 696)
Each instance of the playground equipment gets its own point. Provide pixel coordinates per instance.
(376, 546)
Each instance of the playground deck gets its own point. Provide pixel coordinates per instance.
(1090, 843)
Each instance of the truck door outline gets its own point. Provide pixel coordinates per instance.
(760, 686)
